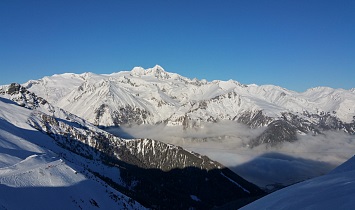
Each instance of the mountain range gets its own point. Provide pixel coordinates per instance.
(154, 96)
(54, 137)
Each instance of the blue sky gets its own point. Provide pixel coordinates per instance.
(294, 44)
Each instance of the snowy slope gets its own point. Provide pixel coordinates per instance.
(56, 86)
(33, 176)
(335, 190)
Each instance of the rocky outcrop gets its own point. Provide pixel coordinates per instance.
(253, 119)
(276, 132)
(22, 96)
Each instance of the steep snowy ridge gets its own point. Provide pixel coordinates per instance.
(55, 87)
(109, 102)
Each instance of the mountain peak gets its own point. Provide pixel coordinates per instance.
(138, 71)
(157, 71)
(158, 67)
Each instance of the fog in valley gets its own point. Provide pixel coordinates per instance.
(268, 167)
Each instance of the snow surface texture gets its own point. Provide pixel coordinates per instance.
(335, 190)
(33, 174)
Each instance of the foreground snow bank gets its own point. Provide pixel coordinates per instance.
(335, 190)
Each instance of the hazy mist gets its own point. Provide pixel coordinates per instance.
(227, 143)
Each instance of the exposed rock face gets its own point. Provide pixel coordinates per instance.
(254, 119)
(23, 97)
(326, 121)
(155, 154)
(276, 132)
(289, 125)
(125, 116)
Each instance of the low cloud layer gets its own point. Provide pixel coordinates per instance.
(227, 143)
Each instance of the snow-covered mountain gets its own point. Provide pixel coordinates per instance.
(154, 96)
(52, 157)
(335, 190)
(62, 114)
